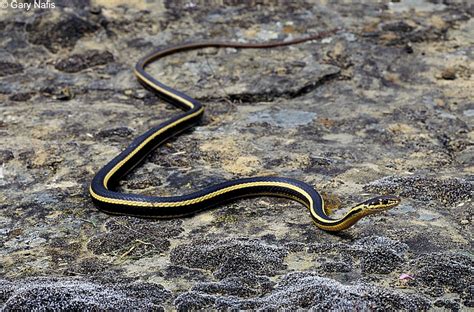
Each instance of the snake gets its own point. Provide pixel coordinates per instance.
(104, 186)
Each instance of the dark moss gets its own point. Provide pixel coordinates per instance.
(21, 97)
(78, 294)
(372, 254)
(58, 31)
(134, 237)
(308, 291)
(194, 301)
(174, 271)
(467, 297)
(5, 156)
(89, 267)
(452, 305)
(422, 243)
(367, 102)
(7, 68)
(232, 257)
(247, 285)
(397, 26)
(448, 191)
(454, 271)
(78, 62)
(115, 132)
(378, 260)
(336, 266)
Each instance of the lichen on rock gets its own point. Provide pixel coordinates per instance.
(382, 106)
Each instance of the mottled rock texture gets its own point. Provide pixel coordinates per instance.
(384, 106)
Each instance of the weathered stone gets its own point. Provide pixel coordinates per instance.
(309, 291)
(58, 30)
(79, 294)
(449, 191)
(455, 271)
(78, 62)
(7, 68)
(231, 257)
(372, 109)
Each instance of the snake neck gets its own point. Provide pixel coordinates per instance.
(372, 206)
(348, 220)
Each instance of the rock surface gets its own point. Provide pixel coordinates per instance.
(384, 106)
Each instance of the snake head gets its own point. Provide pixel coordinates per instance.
(379, 203)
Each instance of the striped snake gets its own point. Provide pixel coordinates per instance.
(102, 187)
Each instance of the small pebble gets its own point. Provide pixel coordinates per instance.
(448, 74)
(95, 9)
(65, 94)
